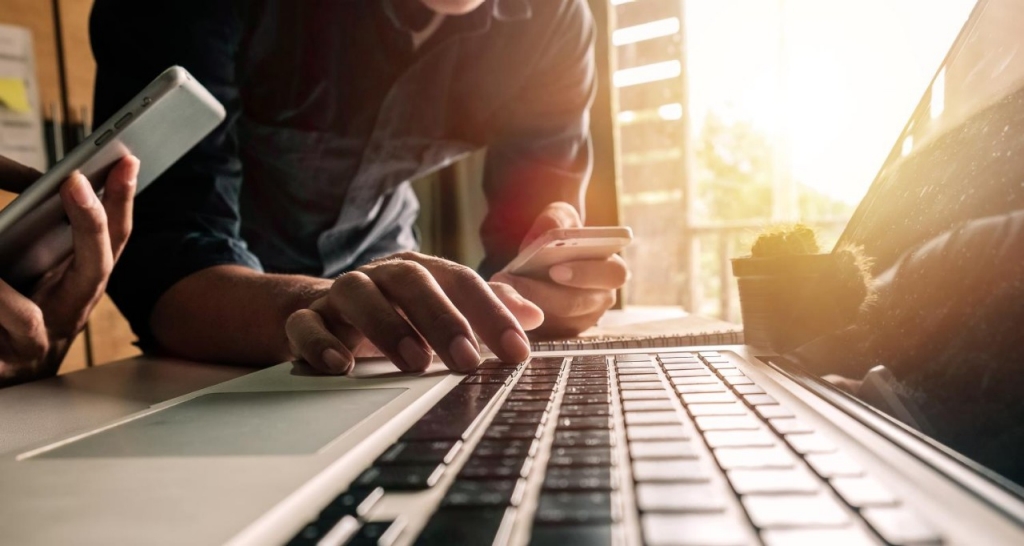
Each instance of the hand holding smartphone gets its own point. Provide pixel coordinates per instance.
(562, 245)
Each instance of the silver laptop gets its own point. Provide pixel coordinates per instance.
(724, 446)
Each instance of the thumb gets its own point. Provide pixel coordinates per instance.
(15, 177)
(556, 215)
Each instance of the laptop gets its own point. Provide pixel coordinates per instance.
(715, 445)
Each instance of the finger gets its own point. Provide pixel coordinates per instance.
(92, 259)
(474, 299)
(556, 215)
(118, 200)
(414, 289)
(312, 342)
(598, 274)
(23, 322)
(15, 177)
(360, 302)
(558, 300)
(526, 312)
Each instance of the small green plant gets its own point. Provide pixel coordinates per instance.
(785, 241)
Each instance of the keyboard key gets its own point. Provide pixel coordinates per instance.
(540, 372)
(641, 386)
(861, 492)
(631, 372)
(354, 502)
(748, 389)
(832, 465)
(634, 378)
(420, 452)
(523, 418)
(455, 416)
(525, 405)
(487, 379)
(734, 408)
(747, 482)
(513, 432)
(507, 372)
(678, 497)
(401, 478)
(773, 411)
(682, 365)
(725, 372)
(484, 493)
(647, 405)
(900, 526)
(479, 468)
(754, 457)
(676, 354)
(546, 362)
(720, 364)
(662, 450)
(652, 418)
(632, 358)
(588, 389)
(467, 526)
(587, 399)
(491, 364)
(846, 536)
(676, 470)
(575, 374)
(584, 423)
(494, 449)
(656, 432)
(644, 395)
(738, 380)
(584, 381)
(634, 366)
(820, 510)
(378, 533)
(528, 396)
(706, 387)
(338, 530)
(583, 438)
(592, 410)
(580, 456)
(539, 379)
(584, 478)
(810, 443)
(709, 354)
(727, 422)
(533, 387)
(571, 535)
(708, 398)
(759, 399)
(689, 373)
(575, 508)
(789, 425)
(694, 530)
(698, 380)
(739, 438)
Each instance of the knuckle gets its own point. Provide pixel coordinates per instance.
(353, 280)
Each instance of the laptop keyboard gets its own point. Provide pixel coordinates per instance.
(709, 459)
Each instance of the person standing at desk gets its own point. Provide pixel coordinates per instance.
(36, 330)
(333, 107)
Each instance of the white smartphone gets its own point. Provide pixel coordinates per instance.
(158, 126)
(567, 245)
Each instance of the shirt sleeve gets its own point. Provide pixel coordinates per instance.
(188, 219)
(542, 154)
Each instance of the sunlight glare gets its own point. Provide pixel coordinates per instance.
(647, 73)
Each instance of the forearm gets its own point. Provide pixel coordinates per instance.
(232, 314)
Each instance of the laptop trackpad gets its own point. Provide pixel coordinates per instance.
(235, 423)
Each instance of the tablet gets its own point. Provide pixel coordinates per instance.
(158, 126)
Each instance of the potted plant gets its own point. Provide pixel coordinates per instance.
(791, 293)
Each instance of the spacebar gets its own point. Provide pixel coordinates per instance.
(454, 416)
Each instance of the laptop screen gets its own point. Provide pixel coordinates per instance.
(941, 347)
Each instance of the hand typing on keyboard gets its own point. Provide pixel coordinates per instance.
(407, 306)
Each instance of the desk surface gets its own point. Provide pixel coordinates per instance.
(56, 407)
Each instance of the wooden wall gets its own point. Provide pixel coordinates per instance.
(111, 337)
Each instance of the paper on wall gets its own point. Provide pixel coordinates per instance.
(21, 127)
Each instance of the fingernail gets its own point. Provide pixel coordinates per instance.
(464, 355)
(413, 354)
(335, 362)
(81, 193)
(560, 273)
(515, 345)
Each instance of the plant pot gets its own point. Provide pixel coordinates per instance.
(787, 300)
